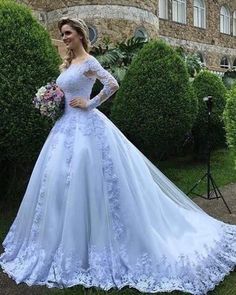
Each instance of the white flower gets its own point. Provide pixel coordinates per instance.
(43, 108)
(41, 91)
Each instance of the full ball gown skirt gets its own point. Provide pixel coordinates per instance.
(97, 212)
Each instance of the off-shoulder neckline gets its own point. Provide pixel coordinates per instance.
(79, 64)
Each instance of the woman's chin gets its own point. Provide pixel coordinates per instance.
(68, 46)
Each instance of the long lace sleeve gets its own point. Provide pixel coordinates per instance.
(110, 84)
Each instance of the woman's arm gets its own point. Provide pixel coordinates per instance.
(110, 84)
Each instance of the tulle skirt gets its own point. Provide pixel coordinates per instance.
(97, 212)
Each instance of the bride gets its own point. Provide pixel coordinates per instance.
(97, 212)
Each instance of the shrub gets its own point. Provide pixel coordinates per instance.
(27, 60)
(116, 58)
(207, 83)
(192, 60)
(230, 119)
(155, 105)
(229, 78)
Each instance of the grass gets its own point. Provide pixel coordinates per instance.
(95, 291)
(184, 173)
(227, 287)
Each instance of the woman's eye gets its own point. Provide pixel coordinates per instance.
(65, 33)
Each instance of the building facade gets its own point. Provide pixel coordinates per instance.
(207, 27)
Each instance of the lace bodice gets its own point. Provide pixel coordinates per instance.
(78, 80)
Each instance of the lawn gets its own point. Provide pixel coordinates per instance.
(184, 173)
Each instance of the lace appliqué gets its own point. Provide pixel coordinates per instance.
(95, 69)
(111, 266)
(9, 242)
(42, 193)
(93, 125)
(111, 179)
(63, 270)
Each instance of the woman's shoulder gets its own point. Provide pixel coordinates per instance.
(93, 63)
(92, 58)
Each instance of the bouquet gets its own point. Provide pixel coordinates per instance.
(50, 100)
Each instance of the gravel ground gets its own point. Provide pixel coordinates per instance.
(215, 208)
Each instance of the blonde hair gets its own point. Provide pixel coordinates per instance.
(81, 28)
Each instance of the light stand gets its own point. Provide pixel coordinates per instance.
(210, 181)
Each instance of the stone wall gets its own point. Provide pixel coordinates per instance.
(212, 54)
(49, 5)
(118, 20)
(149, 5)
(210, 42)
(114, 29)
(114, 21)
(210, 35)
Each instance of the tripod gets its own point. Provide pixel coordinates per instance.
(210, 181)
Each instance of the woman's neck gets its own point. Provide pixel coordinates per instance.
(80, 54)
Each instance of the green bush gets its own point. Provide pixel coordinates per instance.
(205, 84)
(27, 60)
(230, 119)
(229, 78)
(116, 58)
(155, 105)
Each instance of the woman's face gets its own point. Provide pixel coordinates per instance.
(70, 37)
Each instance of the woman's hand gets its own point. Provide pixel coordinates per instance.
(78, 102)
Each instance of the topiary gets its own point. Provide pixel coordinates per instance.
(207, 83)
(229, 116)
(155, 105)
(27, 60)
(229, 78)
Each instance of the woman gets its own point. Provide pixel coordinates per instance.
(97, 212)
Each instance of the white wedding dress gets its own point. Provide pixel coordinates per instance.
(97, 212)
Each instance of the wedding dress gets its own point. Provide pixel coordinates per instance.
(97, 212)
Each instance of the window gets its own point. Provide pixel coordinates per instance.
(234, 23)
(224, 63)
(163, 9)
(199, 14)
(234, 64)
(201, 58)
(141, 33)
(179, 11)
(92, 34)
(224, 20)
